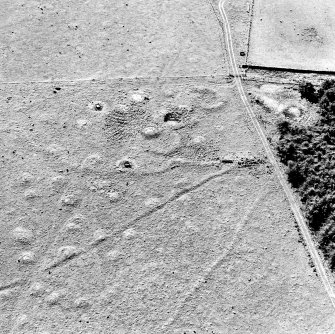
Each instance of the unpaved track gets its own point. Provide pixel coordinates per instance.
(279, 173)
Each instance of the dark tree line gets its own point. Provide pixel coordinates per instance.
(309, 154)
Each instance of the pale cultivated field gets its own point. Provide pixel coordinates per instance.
(116, 218)
(294, 34)
(98, 39)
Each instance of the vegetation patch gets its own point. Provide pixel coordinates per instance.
(309, 154)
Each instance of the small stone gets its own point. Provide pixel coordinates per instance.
(169, 93)
(293, 112)
(129, 233)
(31, 194)
(184, 198)
(113, 196)
(82, 302)
(182, 183)
(191, 226)
(23, 235)
(150, 132)
(22, 320)
(57, 182)
(113, 255)
(6, 295)
(101, 184)
(85, 318)
(69, 200)
(81, 123)
(175, 125)
(158, 116)
(75, 222)
(185, 108)
(67, 252)
(122, 108)
(99, 236)
(92, 161)
(139, 97)
(198, 140)
(55, 149)
(26, 179)
(71, 226)
(37, 289)
(152, 202)
(108, 295)
(55, 297)
(27, 257)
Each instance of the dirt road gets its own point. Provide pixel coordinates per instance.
(287, 189)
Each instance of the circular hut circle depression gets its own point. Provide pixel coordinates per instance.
(98, 106)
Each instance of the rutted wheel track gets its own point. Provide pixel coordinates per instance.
(287, 189)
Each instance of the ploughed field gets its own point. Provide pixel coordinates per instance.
(102, 39)
(293, 34)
